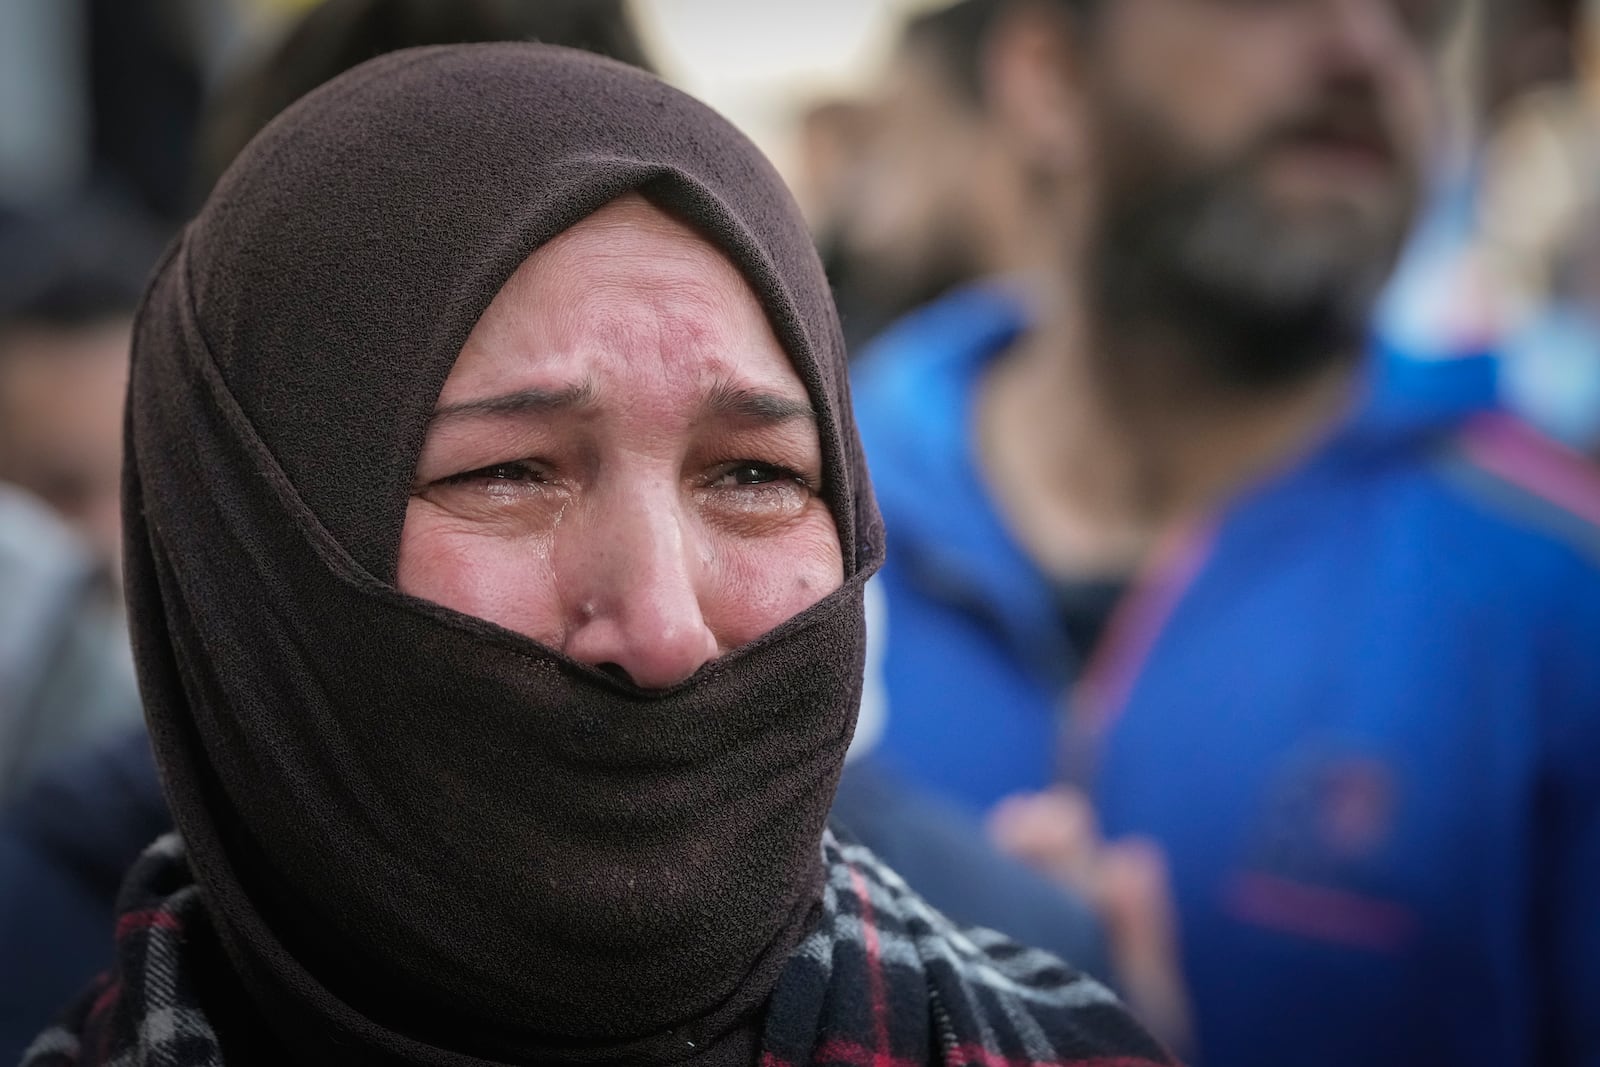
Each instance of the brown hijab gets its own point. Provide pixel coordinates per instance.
(421, 837)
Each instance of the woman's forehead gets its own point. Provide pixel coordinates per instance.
(631, 297)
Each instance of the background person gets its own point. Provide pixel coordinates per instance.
(919, 189)
(1536, 237)
(67, 839)
(335, 35)
(68, 287)
(69, 283)
(1328, 648)
(66, 679)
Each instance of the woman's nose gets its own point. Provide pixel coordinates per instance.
(634, 596)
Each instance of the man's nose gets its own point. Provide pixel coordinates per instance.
(1361, 34)
(633, 593)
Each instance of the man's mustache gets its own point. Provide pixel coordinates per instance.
(1349, 120)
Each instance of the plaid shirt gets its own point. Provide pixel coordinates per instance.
(882, 981)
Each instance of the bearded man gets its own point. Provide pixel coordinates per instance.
(1161, 532)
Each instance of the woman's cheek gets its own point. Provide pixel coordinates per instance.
(506, 581)
(760, 583)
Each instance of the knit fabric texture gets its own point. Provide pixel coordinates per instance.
(883, 979)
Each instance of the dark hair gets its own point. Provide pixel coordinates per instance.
(956, 36)
(75, 269)
(1081, 9)
(337, 35)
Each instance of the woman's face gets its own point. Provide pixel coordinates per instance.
(623, 463)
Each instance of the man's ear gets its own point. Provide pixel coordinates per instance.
(1033, 79)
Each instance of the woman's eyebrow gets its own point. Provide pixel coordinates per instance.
(736, 401)
(522, 402)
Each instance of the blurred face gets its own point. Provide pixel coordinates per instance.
(61, 395)
(1261, 157)
(917, 205)
(623, 464)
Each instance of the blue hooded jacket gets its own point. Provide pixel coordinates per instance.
(1359, 709)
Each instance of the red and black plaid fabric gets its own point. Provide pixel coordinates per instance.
(144, 1012)
(886, 981)
(882, 981)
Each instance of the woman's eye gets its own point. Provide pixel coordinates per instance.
(499, 472)
(748, 474)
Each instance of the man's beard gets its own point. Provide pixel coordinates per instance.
(1256, 295)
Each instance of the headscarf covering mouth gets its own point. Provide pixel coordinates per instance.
(420, 835)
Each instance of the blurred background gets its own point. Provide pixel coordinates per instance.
(86, 82)
(129, 109)
(888, 118)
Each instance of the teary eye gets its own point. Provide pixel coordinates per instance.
(754, 474)
(499, 472)
(750, 473)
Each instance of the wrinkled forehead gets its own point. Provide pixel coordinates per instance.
(628, 306)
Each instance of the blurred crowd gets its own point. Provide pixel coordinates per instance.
(1229, 372)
